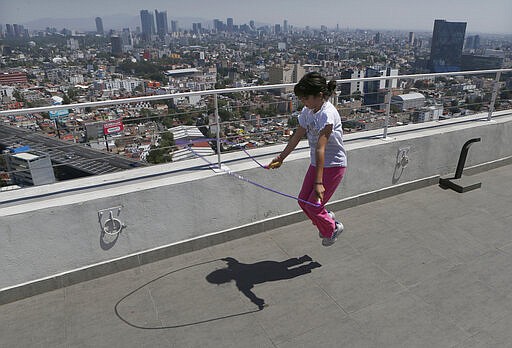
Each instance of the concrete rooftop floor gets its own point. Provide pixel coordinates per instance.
(427, 268)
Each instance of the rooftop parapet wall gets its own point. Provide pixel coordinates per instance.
(55, 234)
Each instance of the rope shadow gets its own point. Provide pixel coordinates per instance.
(245, 276)
(126, 321)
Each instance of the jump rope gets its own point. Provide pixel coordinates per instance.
(188, 145)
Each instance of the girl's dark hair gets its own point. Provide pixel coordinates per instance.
(313, 84)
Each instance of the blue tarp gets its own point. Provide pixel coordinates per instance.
(20, 149)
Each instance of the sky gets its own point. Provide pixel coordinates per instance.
(482, 16)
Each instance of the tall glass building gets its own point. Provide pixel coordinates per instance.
(162, 28)
(447, 44)
(99, 26)
(147, 24)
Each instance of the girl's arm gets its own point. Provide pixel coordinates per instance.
(323, 138)
(292, 143)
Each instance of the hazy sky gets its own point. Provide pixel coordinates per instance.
(486, 16)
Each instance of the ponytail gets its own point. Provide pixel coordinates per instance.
(331, 87)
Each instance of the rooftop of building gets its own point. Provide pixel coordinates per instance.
(428, 267)
(65, 153)
(182, 71)
(409, 96)
(26, 156)
(128, 258)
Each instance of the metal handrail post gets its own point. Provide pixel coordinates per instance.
(388, 109)
(494, 95)
(216, 113)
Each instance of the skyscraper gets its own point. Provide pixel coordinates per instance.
(218, 25)
(411, 38)
(117, 46)
(447, 43)
(374, 91)
(126, 37)
(196, 28)
(229, 23)
(147, 24)
(376, 38)
(9, 31)
(19, 31)
(174, 26)
(162, 28)
(347, 89)
(99, 26)
(472, 43)
(476, 42)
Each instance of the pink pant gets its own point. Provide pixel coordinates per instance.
(318, 215)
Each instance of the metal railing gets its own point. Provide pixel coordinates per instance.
(388, 93)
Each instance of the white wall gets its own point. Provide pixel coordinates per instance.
(61, 232)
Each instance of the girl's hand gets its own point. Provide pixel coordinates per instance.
(276, 163)
(320, 189)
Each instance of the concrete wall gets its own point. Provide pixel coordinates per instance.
(64, 234)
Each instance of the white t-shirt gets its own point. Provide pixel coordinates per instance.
(314, 123)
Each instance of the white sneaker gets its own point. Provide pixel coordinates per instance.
(337, 231)
(331, 214)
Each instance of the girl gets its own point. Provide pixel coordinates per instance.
(321, 122)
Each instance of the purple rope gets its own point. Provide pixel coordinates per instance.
(240, 177)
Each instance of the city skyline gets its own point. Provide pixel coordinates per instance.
(483, 17)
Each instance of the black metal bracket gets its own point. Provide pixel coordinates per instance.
(456, 183)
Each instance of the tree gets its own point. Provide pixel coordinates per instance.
(167, 140)
(293, 122)
(454, 107)
(394, 108)
(237, 96)
(18, 96)
(505, 94)
(157, 156)
(145, 113)
(162, 153)
(72, 94)
(474, 105)
(220, 84)
(225, 115)
(167, 121)
(420, 84)
(65, 99)
(138, 89)
(157, 76)
(356, 95)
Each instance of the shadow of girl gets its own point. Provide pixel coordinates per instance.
(247, 275)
